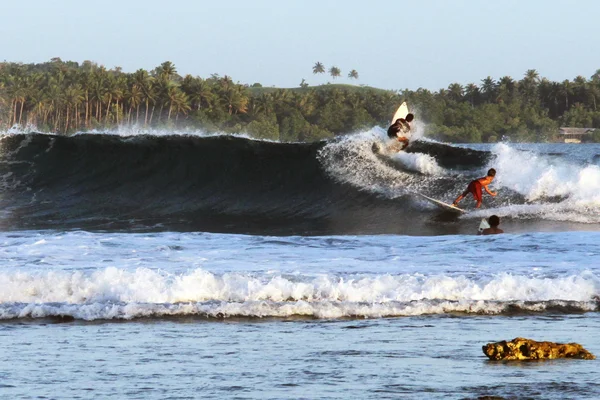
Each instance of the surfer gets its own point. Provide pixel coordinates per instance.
(494, 221)
(399, 129)
(475, 188)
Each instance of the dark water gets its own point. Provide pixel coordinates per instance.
(235, 185)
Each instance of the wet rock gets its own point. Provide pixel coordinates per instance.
(527, 349)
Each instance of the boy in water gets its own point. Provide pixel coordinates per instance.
(494, 221)
(475, 188)
(400, 128)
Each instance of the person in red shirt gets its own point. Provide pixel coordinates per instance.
(475, 188)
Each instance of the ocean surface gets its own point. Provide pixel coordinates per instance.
(177, 265)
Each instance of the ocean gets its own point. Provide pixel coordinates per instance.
(179, 265)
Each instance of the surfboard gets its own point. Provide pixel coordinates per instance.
(441, 204)
(483, 225)
(401, 112)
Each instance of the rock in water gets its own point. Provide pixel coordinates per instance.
(527, 349)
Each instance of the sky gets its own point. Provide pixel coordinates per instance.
(393, 44)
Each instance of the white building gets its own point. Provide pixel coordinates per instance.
(575, 135)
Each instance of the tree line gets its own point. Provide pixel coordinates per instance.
(65, 96)
(530, 109)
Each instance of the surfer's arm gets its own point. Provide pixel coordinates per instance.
(488, 191)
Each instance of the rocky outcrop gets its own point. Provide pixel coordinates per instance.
(527, 349)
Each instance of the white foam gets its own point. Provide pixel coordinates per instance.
(350, 159)
(418, 127)
(20, 129)
(423, 163)
(538, 177)
(142, 130)
(117, 293)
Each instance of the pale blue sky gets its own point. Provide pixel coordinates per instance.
(392, 44)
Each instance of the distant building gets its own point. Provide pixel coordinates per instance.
(575, 135)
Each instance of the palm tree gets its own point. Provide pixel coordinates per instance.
(86, 80)
(144, 82)
(594, 93)
(595, 87)
(455, 91)
(281, 100)
(109, 89)
(532, 75)
(488, 87)
(225, 82)
(304, 103)
(16, 93)
(73, 96)
(506, 88)
(565, 90)
(180, 104)
(21, 94)
(200, 94)
(98, 90)
(335, 72)
(166, 70)
(119, 93)
(528, 86)
(172, 94)
(580, 87)
(163, 92)
(37, 101)
(265, 102)
(255, 107)
(235, 100)
(54, 95)
(472, 93)
(353, 74)
(318, 68)
(134, 96)
(2, 97)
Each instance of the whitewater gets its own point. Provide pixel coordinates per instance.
(184, 265)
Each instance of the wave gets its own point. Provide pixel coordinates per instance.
(190, 181)
(114, 293)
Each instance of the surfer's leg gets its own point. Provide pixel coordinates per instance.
(459, 198)
(477, 193)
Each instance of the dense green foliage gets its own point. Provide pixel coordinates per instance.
(65, 97)
(530, 110)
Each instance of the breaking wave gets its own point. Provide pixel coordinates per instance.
(190, 181)
(114, 293)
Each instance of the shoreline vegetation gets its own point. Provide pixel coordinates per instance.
(64, 97)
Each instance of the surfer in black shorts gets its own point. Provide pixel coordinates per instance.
(400, 128)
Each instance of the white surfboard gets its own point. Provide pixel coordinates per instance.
(483, 225)
(441, 204)
(401, 112)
